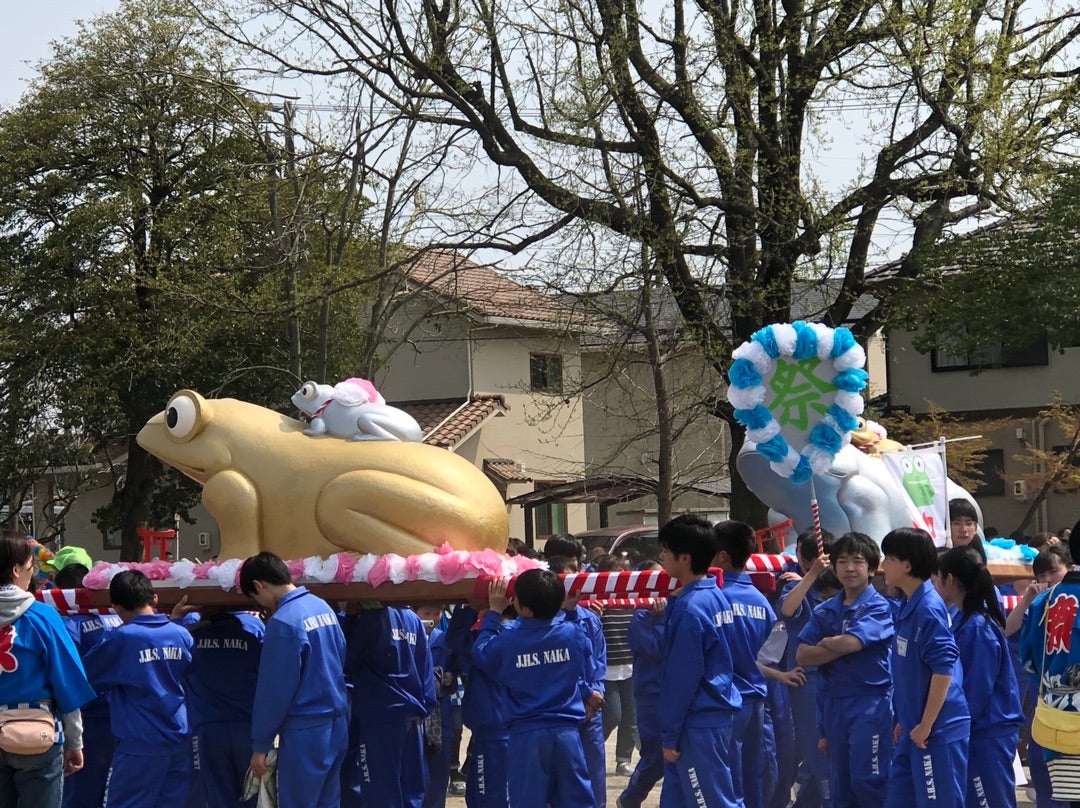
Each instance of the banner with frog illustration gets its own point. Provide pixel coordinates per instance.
(921, 474)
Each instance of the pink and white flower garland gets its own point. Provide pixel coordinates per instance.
(443, 565)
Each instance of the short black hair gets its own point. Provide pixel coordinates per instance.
(960, 508)
(1044, 561)
(857, 544)
(541, 591)
(806, 544)
(692, 535)
(265, 567)
(915, 546)
(71, 576)
(131, 590)
(735, 538)
(827, 581)
(14, 552)
(563, 544)
(559, 563)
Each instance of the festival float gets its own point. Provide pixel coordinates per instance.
(362, 509)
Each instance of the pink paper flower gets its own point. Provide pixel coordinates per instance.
(96, 578)
(380, 571)
(412, 568)
(296, 568)
(345, 566)
(202, 569)
(156, 570)
(444, 548)
(450, 567)
(486, 562)
(522, 563)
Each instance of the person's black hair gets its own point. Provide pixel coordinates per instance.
(648, 564)
(71, 576)
(736, 539)
(827, 581)
(969, 570)
(960, 508)
(265, 567)
(14, 552)
(857, 544)
(563, 544)
(806, 543)
(1074, 541)
(915, 546)
(541, 591)
(1044, 561)
(692, 535)
(131, 590)
(559, 563)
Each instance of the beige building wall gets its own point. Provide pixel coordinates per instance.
(1015, 394)
(430, 360)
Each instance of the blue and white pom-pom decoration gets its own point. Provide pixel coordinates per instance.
(754, 364)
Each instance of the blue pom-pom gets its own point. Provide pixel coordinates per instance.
(844, 419)
(756, 417)
(767, 340)
(826, 438)
(774, 449)
(842, 340)
(805, 340)
(802, 471)
(742, 373)
(851, 380)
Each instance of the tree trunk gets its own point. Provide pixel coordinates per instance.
(134, 499)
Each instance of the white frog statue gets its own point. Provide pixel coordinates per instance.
(353, 409)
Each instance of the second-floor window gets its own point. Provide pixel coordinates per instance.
(545, 373)
(993, 356)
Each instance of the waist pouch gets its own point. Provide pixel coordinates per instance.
(1057, 730)
(27, 731)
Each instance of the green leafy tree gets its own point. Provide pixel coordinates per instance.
(132, 203)
(691, 128)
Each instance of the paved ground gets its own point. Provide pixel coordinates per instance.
(616, 784)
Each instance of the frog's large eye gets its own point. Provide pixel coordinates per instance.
(308, 391)
(183, 416)
(905, 465)
(920, 464)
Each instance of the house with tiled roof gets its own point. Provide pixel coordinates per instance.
(1006, 385)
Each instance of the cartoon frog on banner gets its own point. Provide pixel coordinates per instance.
(355, 410)
(271, 487)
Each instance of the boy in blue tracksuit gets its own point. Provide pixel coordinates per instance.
(592, 728)
(849, 638)
(140, 666)
(753, 764)
(86, 787)
(388, 664)
(930, 761)
(646, 638)
(483, 711)
(699, 698)
(542, 663)
(220, 687)
(300, 693)
(799, 596)
(438, 732)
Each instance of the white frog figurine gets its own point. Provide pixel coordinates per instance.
(353, 409)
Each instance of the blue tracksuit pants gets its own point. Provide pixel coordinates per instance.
(934, 777)
(223, 755)
(813, 765)
(592, 741)
(386, 769)
(650, 766)
(86, 787)
(701, 776)
(309, 763)
(858, 731)
(485, 783)
(753, 765)
(156, 780)
(549, 768)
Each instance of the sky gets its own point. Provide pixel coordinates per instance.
(26, 34)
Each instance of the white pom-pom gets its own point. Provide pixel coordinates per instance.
(853, 357)
(820, 460)
(753, 353)
(851, 402)
(428, 567)
(824, 340)
(319, 569)
(395, 568)
(786, 336)
(761, 435)
(224, 574)
(745, 398)
(183, 572)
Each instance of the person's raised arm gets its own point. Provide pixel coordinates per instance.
(791, 602)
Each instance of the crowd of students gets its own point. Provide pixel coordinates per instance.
(825, 690)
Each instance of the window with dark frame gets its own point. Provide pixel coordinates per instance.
(545, 373)
(991, 473)
(1034, 354)
(549, 519)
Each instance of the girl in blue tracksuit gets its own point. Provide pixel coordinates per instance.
(388, 664)
(646, 638)
(483, 711)
(849, 637)
(989, 679)
(220, 686)
(933, 723)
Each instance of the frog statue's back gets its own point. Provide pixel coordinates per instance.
(271, 487)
